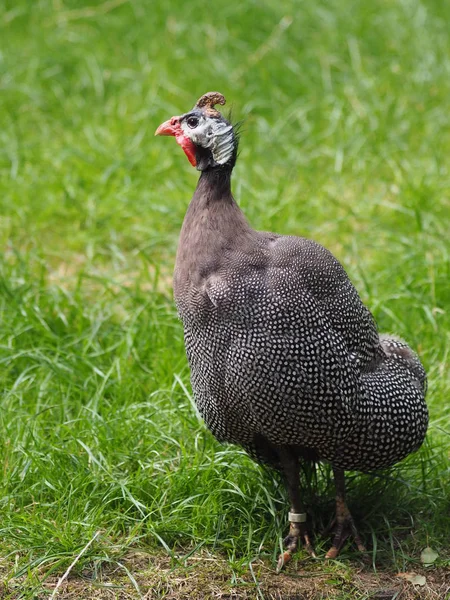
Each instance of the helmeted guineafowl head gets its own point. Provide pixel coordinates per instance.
(207, 138)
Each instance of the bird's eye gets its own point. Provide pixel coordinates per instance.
(192, 122)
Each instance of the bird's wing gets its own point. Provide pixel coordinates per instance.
(308, 264)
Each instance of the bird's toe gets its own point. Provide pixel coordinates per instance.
(292, 542)
(344, 529)
(283, 560)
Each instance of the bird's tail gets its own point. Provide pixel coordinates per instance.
(396, 348)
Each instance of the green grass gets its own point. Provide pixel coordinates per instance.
(346, 140)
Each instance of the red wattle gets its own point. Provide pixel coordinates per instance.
(188, 147)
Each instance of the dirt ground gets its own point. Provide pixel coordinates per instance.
(147, 577)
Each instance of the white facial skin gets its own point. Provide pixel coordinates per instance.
(213, 134)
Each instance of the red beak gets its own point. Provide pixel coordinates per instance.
(173, 127)
(170, 127)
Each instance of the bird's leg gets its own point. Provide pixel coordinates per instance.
(345, 525)
(297, 514)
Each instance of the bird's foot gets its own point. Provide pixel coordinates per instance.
(297, 535)
(344, 527)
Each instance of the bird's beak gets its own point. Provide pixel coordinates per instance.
(170, 127)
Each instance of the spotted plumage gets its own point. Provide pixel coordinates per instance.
(285, 359)
(282, 347)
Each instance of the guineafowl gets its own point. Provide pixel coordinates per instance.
(285, 359)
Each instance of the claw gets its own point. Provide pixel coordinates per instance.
(308, 546)
(283, 560)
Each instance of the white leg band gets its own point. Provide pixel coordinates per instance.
(297, 517)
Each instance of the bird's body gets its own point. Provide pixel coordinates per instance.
(285, 359)
(282, 350)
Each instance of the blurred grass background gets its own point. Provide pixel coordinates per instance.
(346, 139)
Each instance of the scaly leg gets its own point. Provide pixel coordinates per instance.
(297, 515)
(345, 525)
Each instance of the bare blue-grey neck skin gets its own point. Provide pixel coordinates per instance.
(214, 138)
